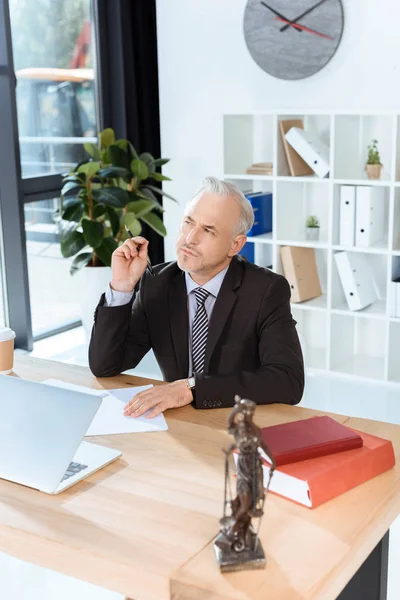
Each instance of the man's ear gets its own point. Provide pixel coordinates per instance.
(237, 244)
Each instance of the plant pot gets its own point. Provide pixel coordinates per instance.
(91, 283)
(373, 171)
(312, 233)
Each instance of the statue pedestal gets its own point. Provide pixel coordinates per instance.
(232, 560)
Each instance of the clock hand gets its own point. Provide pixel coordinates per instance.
(302, 15)
(278, 14)
(297, 26)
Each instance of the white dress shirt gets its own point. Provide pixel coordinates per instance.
(114, 298)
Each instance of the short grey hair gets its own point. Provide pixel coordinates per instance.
(223, 188)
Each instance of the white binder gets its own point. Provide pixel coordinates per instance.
(311, 149)
(370, 211)
(347, 215)
(394, 299)
(356, 278)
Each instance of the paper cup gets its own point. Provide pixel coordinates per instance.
(7, 336)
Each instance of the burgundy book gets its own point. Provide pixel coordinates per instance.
(309, 438)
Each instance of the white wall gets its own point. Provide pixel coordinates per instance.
(206, 70)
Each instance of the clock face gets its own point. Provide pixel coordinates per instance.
(293, 39)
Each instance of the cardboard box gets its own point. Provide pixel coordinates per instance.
(300, 269)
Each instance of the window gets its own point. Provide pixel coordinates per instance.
(52, 45)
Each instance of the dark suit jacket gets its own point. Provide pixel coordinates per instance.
(252, 348)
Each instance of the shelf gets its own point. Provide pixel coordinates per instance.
(319, 303)
(363, 344)
(378, 248)
(302, 244)
(361, 365)
(363, 181)
(305, 179)
(246, 177)
(377, 310)
(263, 238)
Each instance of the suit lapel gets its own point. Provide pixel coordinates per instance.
(179, 321)
(224, 304)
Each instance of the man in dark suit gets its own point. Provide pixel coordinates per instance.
(218, 325)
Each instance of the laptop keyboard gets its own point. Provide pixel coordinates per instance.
(73, 469)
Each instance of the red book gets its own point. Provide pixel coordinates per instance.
(315, 481)
(309, 438)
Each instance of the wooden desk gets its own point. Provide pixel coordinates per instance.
(144, 525)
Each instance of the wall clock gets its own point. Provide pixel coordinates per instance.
(293, 39)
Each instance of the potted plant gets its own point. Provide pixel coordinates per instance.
(312, 228)
(113, 188)
(373, 166)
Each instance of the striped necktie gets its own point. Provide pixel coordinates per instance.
(199, 331)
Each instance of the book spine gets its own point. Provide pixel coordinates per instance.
(322, 450)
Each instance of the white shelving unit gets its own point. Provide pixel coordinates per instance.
(362, 343)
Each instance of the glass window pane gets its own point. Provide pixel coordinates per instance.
(53, 297)
(53, 61)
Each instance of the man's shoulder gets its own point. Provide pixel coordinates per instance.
(262, 278)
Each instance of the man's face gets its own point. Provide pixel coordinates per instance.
(206, 242)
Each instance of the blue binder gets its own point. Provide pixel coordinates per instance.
(248, 251)
(262, 207)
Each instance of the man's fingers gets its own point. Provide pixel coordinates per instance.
(138, 399)
(157, 410)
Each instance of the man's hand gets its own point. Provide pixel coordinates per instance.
(128, 264)
(158, 399)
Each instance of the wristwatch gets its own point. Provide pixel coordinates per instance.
(191, 383)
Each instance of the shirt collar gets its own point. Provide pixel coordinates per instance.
(213, 286)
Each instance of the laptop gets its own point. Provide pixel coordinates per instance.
(41, 432)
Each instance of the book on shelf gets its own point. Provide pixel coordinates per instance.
(357, 279)
(316, 480)
(300, 269)
(248, 251)
(296, 165)
(265, 168)
(262, 207)
(308, 438)
(311, 148)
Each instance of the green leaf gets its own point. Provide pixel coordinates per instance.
(93, 232)
(80, 261)
(99, 210)
(90, 168)
(92, 150)
(111, 196)
(105, 250)
(159, 162)
(132, 223)
(139, 168)
(105, 157)
(107, 137)
(159, 177)
(140, 207)
(148, 194)
(113, 172)
(159, 191)
(71, 244)
(114, 220)
(147, 158)
(76, 177)
(69, 186)
(155, 223)
(123, 144)
(73, 212)
(118, 157)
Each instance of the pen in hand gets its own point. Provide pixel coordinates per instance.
(149, 267)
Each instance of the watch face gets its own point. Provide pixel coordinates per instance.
(293, 39)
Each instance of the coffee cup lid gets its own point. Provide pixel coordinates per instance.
(6, 334)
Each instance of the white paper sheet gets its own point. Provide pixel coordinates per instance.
(110, 419)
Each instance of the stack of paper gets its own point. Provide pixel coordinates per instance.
(110, 419)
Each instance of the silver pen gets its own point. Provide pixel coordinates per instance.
(149, 267)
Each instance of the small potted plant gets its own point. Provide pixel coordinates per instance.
(312, 228)
(373, 166)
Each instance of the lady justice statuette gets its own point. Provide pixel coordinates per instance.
(237, 546)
